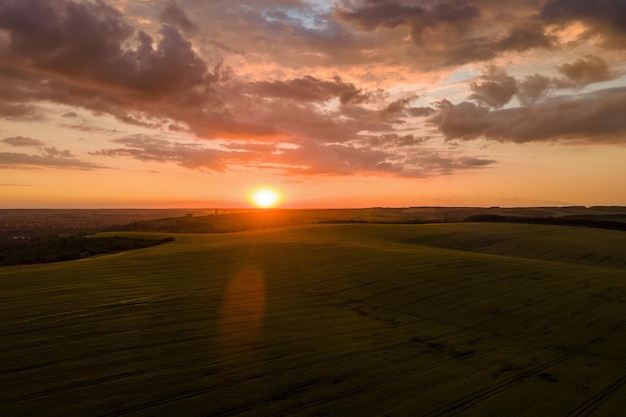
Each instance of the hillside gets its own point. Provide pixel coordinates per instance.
(480, 319)
(237, 221)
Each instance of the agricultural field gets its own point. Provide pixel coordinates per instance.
(472, 319)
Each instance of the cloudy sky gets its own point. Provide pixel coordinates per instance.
(191, 103)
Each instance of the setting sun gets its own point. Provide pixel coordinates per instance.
(265, 197)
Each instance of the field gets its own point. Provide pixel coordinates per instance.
(473, 319)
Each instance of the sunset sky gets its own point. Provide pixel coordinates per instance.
(343, 103)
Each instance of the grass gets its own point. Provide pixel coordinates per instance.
(338, 320)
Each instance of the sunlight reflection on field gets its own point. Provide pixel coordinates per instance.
(243, 308)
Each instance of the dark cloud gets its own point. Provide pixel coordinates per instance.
(391, 14)
(441, 163)
(336, 160)
(20, 111)
(295, 33)
(49, 158)
(475, 162)
(311, 158)
(595, 118)
(496, 89)
(85, 126)
(584, 71)
(528, 35)
(94, 59)
(604, 17)
(610, 12)
(452, 33)
(88, 40)
(353, 97)
(251, 147)
(389, 154)
(463, 120)
(439, 28)
(23, 141)
(174, 15)
(395, 141)
(398, 107)
(420, 111)
(309, 88)
(88, 55)
(533, 88)
(149, 149)
(293, 108)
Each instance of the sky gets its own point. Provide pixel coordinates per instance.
(336, 103)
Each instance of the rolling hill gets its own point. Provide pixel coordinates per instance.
(483, 319)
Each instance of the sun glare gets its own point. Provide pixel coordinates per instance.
(265, 197)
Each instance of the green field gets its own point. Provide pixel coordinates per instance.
(471, 319)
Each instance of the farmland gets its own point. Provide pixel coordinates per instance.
(483, 319)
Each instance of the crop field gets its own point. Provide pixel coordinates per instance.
(471, 319)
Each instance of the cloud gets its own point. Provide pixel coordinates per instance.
(26, 112)
(309, 159)
(606, 18)
(309, 88)
(308, 109)
(49, 158)
(88, 41)
(189, 156)
(395, 141)
(263, 74)
(584, 71)
(88, 55)
(595, 118)
(370, 156)
(454, 32)
(420, 111)
(334, 159)
(475, 162)
(398, 107)
(533, 88)
(174, 15)
(251, 147)
(374, 14)
(528, 35)
(496, 90)
(85, 126)
(22, 141)
(464, 120)
(439, 163)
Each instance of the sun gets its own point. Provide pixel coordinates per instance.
(265, 197)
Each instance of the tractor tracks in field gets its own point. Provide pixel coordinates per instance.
(99, 354)
(466, 402)
(550, 325)
(451, 408)
(362, 388)
(312, 364)
(88, 383)
(96, 381)
(145, 371)
(470, 400)
(591, 405)
(479, 326)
